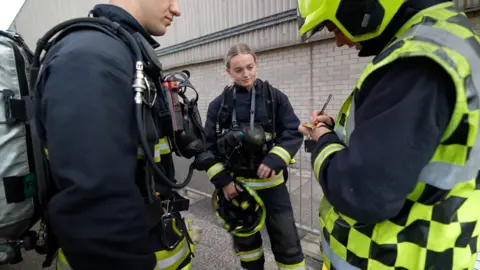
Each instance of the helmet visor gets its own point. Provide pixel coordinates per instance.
(307, 35)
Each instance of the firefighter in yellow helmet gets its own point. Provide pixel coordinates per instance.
(400, 164)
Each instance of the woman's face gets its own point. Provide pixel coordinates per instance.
(243, 70)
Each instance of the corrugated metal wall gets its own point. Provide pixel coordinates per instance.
(202, 17)
(38, 16)
(199, 18)
(277, 36)
(468, 4)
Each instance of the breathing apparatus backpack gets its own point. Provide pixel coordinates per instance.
(18, 211)
(243, 215)
(187, 139)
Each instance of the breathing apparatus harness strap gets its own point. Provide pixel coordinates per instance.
(272, 105)
(228, 105)
(252, 108)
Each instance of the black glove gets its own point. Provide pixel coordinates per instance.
(204, 160)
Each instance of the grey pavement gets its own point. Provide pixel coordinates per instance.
(215, 250)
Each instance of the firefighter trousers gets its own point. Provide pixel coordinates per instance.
(282, 231)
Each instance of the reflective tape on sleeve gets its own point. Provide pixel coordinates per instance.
(282, 153)
(214, 170)
(327, 151)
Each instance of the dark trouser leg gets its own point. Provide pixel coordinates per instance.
(250, 251)
(281, 228)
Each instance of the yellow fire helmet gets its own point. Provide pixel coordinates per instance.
(359, 20)
(242, 216)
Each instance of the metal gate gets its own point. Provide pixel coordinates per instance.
(305, 193)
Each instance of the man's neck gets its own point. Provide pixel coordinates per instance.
(131, 7)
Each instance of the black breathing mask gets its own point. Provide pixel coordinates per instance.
(189, 135)
(254, 139)
(247, 139)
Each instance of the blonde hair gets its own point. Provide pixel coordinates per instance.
(237, 50)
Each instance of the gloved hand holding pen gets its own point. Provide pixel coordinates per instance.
(321, 123)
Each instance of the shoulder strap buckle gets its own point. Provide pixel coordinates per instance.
(15, 109)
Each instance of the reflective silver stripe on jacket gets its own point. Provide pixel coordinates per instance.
(335, 260)
(214, 170)
(440, 174)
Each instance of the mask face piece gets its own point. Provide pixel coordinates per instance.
(254, 138)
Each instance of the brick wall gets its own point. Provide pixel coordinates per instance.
(306, 73)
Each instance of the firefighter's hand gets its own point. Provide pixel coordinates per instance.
(319, 131)
(265, 172)
(318, 118)
(231, 190)
(305, 130)
(315, 132)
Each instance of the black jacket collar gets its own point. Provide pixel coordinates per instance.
(121, 16)
(258, 87)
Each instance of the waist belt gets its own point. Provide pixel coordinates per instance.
(261, 183)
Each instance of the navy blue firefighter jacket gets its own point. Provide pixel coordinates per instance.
(287, 122)
(85, 116)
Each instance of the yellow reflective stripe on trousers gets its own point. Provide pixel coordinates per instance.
(252, 255)
(282, 153)
(327, 151)
(170, 260)
(297, 266)
(62, 263)
(214, 170)
(258, 183)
